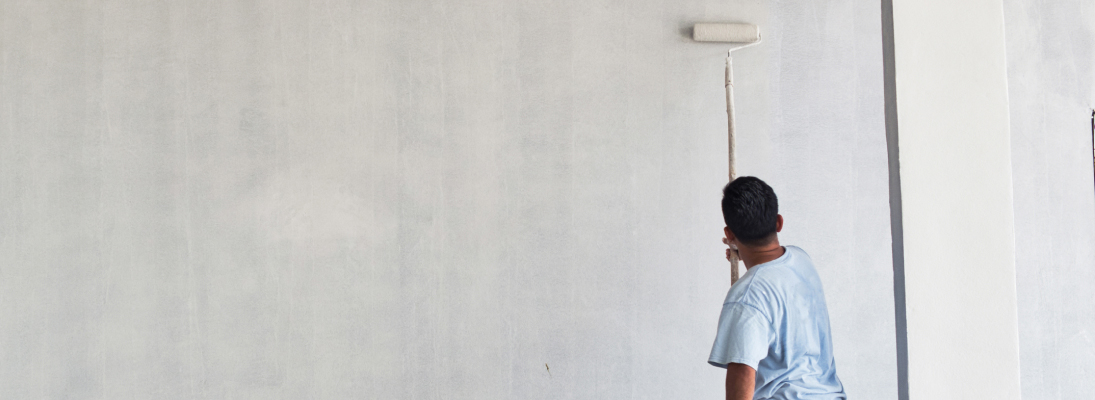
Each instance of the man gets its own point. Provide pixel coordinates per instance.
(773, 336)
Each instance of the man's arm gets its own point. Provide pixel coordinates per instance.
(740, 379)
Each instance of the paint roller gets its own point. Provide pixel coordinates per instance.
(743, 35)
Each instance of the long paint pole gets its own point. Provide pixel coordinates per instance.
(730, 139)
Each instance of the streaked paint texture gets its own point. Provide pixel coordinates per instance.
(419, 199)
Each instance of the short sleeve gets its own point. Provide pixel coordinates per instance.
(742, 337)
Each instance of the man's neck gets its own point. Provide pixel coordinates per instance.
(752, 256)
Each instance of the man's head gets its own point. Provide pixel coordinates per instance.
(751, 211)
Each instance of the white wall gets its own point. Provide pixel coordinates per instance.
(419, 199)
(1051, 82)
(958, 233)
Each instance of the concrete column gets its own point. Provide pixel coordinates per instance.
(951, 199)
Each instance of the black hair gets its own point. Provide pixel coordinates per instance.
(750, 207)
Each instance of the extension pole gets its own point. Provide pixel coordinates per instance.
(746, 35)
(730, 140)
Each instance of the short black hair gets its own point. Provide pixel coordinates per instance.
(750, 207)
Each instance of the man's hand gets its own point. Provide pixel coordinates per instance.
(731, 251)
(740, 379)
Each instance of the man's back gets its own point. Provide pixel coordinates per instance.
(775, 320)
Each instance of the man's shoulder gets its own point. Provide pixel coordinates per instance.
(754, 289)
(798, 254)
(765, 284)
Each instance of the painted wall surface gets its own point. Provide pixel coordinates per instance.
(1051, 82)
(419, 199)
(956, 199)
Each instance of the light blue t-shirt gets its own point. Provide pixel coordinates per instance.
(774, 319)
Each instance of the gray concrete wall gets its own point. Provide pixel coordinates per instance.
(1051, 78)
(419, 199)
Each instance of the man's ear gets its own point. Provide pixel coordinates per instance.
(729, 235)
(779, 222)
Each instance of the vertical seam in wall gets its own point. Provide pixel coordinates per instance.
(1011, 191)
(896, 231)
